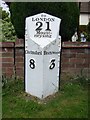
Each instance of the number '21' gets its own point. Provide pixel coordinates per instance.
(40, 24)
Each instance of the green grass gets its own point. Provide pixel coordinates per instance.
(70, 102)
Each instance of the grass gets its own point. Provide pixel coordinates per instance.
(70, 102)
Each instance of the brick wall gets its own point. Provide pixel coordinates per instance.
(75, 58)
(7, 59)
(13, 58)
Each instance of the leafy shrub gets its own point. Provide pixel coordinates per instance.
(82, 80)
(88, 39)
(8, 31)
(82, 28)
(85, 29)
(88, 27)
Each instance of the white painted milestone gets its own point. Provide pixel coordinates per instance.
(43, 28)
(42, 55)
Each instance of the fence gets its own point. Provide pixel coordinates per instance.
(75, 58)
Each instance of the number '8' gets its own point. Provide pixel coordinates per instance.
(32, 63)
(51, 65)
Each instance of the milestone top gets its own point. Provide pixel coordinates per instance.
(42, 28)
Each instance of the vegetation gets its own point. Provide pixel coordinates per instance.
(88, 28)
(68, 12)
(82, 28)
(8, 32)
(70, 102)
(85, 29)
(0, 25)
